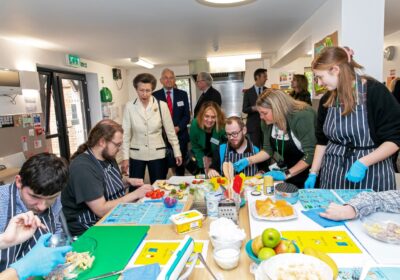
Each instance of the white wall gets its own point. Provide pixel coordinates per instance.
(296, 66)
(19, 57)
(324, 21)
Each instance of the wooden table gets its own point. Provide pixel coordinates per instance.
(163, 232)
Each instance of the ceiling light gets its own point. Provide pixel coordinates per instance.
(32, 42)
(143, 63)
(224, 3)
(310, 52)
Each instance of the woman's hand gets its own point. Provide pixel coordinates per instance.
(178, 161)
(339, 212)
(357, 172)
(213, 173)
(125, 166)
(311, 180)
(20, 228)
(277, 175)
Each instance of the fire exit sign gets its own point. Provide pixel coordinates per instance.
(73, 60)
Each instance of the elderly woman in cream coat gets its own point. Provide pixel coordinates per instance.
(143, 142)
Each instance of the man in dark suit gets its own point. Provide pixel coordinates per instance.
(204, 84)
(178, 104)
(250, 96)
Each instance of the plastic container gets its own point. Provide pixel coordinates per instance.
(212, 201)
(187, 221)
(383, 226)
(227, 258)
(287, 192)
(170, 202)
(219, 243)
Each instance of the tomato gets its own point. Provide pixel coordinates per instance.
(162, 193)
(148, 194)
(154, 195)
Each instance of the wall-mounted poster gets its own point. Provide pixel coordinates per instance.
(328, 41)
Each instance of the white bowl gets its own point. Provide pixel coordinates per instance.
(303, 266)
(227, 258)
(219, 243)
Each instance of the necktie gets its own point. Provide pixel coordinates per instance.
(259, 91)
(169, 101)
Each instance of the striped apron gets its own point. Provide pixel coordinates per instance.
(14, 253)
(113, 189)
(350, 139)
(233, 157)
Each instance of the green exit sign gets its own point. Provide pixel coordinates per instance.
(73, 60)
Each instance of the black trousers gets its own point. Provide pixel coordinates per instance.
(180, 170)
(157, 169)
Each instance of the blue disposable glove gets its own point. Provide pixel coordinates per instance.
(357, 172)
(41, 260)
(241, 164)
(311, 180)
(277, 175)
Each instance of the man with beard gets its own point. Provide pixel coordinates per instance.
(239, 146)
(95, 185)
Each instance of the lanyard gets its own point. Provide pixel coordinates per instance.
(283, 144)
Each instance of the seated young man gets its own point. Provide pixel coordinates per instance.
(239, 146)
(36, 188)
(95, 184)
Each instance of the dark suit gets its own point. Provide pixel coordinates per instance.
(253, 123)
(210, 95)
(180, 118)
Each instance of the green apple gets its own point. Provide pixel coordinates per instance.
(271, 237)
(257, 245)
(285, 246)
(265, 253)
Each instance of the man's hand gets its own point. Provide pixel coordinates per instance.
(20, 228)
(141, 191)
(241, 164)
(135, 181)
(125, 166)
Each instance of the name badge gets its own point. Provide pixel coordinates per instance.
(214, 141)
(180, 104)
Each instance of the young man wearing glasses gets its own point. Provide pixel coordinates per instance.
(239, 146)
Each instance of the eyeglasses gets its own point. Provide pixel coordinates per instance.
(233, 134)
(198, 81)
(118, 145)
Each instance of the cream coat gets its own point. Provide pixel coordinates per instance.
(143, 132)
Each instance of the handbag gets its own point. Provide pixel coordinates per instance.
(191, 163)
(169, 152)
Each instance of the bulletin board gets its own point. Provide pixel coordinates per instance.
(20, 136)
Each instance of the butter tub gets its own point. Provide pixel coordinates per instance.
(187, 221)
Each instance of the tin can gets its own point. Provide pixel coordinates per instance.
(268, 186)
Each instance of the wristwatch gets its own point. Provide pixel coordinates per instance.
(287, 173)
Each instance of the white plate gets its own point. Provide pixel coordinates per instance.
(269, 269)
(254, 213)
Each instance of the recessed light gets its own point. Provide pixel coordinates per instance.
(224, 3)
(142, 62)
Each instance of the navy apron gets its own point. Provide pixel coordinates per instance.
(289, 155)
(350, 139)
(250, 170)
(113, 189)
(14, 253)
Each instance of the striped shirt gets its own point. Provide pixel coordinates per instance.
(367, 203)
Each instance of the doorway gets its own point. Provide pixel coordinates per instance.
(64, 98)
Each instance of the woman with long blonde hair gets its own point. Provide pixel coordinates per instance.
(358, 126)
(288, 127)
(207, 131)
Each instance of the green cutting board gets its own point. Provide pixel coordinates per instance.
(115, 246)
